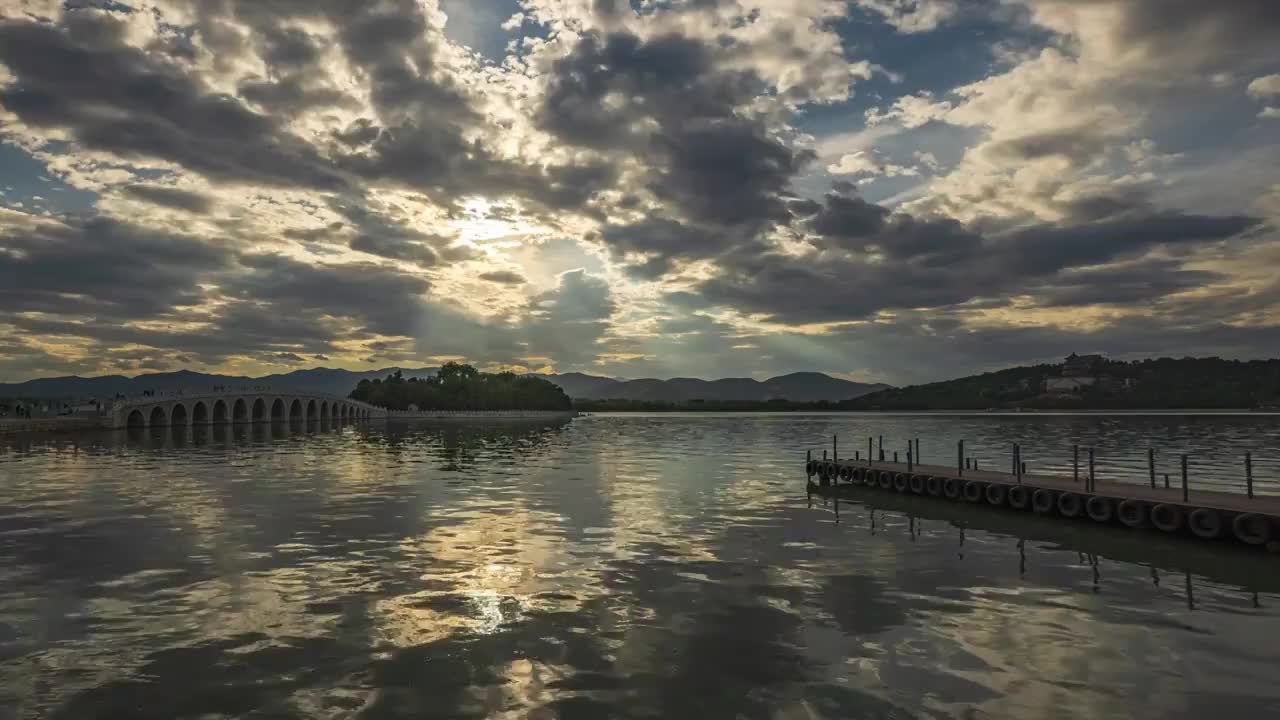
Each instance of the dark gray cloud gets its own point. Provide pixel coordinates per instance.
(569, 321)
(1217, 34)
(103, 268)
(868, 261)
(84, 78)
(172, 197)
(503, 277)
(668, 103)
(1122, 284)
(388, 235)
(395, 249)
(375, 298)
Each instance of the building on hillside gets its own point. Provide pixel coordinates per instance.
(1081, 365)
(1063, 385)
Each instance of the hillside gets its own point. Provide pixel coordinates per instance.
(796, 387)
(1164, 383)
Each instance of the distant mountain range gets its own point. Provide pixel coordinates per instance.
(797, 387)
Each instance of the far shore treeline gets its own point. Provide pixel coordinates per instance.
(462, 387)
(1080, 383)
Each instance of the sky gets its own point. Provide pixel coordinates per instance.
(882, 190)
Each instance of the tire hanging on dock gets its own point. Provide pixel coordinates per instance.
(886, 480)
(1101, 509)
(933, 485)
(1205, 523)
(1070, 505)
(974, 490)
(997, 494)
(952, 488)
(901, 483)
(1044, 501)
(917, 484)
(1019, 497)
(1168, 518)
(1252, 529)
(1133, 513)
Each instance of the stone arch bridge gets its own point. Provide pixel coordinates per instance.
(238, 407)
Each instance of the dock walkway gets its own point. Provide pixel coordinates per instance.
(1204, 514)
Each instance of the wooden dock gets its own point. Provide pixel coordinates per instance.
(1208, 515)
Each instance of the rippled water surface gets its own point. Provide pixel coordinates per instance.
(613, 566)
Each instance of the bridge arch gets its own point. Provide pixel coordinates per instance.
(136, 419)
(157, 417)
(220, 412)
(259, 410)
(199, 413)
(278, 412)
(178, 415)
(311, 411)
(239, 411)
(295, 411)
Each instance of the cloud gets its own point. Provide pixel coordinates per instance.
(568, 321)
(869, 261)
(503, 277)
(1265, 87)
(81, 77)
(192, 202)
(912, 16)
(867, 163)
(101, 268)
(634, 187)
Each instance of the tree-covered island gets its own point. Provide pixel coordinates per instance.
(462, 387)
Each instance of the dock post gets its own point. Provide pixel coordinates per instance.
(917, 453)
(1151, 465)
(881, 445)
(824, 456)
(1184, 478)
(910, 465)
(1075, 462)
(1166, 481)
(870, 455)
(834, 455)
(960, 458)
(1248, 474)
(1092, 483)
(808, 457)
(895, 457)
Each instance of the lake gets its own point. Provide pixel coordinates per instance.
(656, 566)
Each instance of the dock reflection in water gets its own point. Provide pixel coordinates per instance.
(639, 566)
